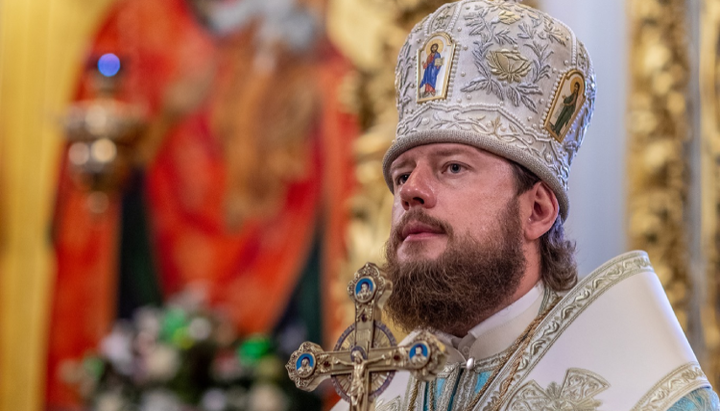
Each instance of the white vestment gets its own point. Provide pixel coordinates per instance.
(612, 344)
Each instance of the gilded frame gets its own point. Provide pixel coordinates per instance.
(450, 61)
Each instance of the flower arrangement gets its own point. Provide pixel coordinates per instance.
(183, 357)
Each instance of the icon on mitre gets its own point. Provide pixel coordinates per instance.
(568, 102)
(434, 65)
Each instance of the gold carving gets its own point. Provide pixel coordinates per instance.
(710, 162)
(658, 129)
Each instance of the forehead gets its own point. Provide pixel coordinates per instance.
(440, 150)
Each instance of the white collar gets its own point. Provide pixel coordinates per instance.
(497, 333)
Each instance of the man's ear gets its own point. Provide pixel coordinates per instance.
(540, 210)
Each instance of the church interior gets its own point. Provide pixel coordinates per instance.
(188, 186)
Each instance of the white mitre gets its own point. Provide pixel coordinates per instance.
(612, 343)
(499, 76)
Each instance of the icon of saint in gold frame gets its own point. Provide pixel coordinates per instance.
(569, 99)
(435, 60)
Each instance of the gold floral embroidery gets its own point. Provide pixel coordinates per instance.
(508, 17)
(508, 65)
(575, 393)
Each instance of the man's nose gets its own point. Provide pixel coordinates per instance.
(418, 190)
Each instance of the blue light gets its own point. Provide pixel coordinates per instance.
(109, 65)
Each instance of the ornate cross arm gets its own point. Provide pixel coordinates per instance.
(365, 358)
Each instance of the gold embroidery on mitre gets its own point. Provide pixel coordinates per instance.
(569, 100)
(508, 65)
(507, 17)
(434, 64)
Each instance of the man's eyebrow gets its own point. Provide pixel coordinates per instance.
(401, 164)
(446, 152)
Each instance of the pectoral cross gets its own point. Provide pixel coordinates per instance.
(366, 356)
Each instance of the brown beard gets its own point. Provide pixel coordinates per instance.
(466, 284)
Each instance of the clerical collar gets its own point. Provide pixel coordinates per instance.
(497, 333)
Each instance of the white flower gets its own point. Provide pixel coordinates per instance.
(200, 328)
(117, 348)
(162, 363)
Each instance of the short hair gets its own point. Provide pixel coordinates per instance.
(558, 268)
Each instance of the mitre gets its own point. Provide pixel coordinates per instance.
(500, 76)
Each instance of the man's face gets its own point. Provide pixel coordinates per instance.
(466, 189)
(434, 48)
(455, 253)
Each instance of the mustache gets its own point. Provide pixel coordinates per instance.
(418, 215)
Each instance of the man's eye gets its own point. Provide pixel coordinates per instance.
(402, 178)
(455, 168)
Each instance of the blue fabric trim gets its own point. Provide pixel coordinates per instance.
(440, 386)
(482, 380)
(703, 399)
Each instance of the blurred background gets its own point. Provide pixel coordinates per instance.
(187, 186)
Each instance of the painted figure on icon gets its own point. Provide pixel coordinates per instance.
(418, 355)
(569, 104)
(364, 290)
(568, 100)
(431, 67)
(434, 64)
(305, 366)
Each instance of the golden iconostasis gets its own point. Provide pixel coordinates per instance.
(153, 187)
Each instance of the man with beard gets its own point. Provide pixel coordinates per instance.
(477, 253)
